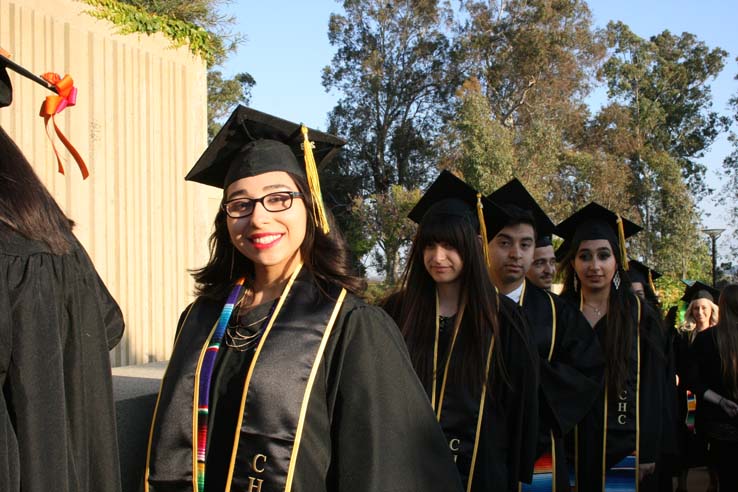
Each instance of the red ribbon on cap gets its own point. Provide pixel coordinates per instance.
(54, 105)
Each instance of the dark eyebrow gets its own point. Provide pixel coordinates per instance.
(242, 193)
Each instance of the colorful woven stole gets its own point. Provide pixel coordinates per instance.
(691, 409)
(544, 469)
(623, 476)
(543, 473)
(206, 374)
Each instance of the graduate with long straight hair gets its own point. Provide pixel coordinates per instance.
(281, 377)
(469, 345)
(618, 443)
(58, 323)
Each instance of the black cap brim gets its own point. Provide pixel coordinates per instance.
(699, 290)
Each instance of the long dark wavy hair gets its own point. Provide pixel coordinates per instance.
(413, 305)
(327, 257)
(726, 338)
(26, 206)
(618, 336)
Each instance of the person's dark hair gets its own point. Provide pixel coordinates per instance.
(618, 335)
(517, 215)
(26, 206)
(726, 338)
(413, 305)
(326, 256)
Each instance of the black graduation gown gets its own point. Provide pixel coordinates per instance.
(509, 430)
(653, 381)
(571, 372)
(57, 324)
(368, 427)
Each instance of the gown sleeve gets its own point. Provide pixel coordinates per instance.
(572, 380)
(384, 433)
(520, 399)
(654, 370)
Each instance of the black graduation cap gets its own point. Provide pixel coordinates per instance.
(543, 241)
(698, 290)
(594, 221)
(449, 195)
(252, 143)
(514, 194)
(6, 88)
(642, 273)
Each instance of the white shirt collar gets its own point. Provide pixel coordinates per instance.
(515, 295)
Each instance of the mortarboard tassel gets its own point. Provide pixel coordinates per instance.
(483, 230)
(621, 240)
(311, 169)
(650, 282)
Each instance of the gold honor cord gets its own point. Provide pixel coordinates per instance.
(435, 353)
(268, 329)
(309, 389)
(481, 414)
(638, 410)
(450, 350)
(522, 294)
(156, 409)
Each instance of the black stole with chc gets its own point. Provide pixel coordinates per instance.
(275, 397)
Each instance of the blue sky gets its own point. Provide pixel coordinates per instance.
(287, 47)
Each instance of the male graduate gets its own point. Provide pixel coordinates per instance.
(571, 362)
(543, 269)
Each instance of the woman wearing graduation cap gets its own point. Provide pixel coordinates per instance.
(701, 314)
(714, 379)
(469, 345)
(58, 323)
(617, 444)
(281, 378)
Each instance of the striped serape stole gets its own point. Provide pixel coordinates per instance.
(623, 476)
(205, 376)
(691, 408)
(543, 475)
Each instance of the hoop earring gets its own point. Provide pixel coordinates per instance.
(616, 279)
(233, 259)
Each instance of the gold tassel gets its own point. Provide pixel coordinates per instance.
(650, 282)
(311, 169)
(621, 239)
(483, 231)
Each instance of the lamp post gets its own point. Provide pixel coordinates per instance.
(714, 234)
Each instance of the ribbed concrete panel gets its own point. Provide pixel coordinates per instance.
(140, 123)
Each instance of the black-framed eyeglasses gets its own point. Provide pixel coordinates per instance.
(273, 202)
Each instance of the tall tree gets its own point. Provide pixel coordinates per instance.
(390, 67)
(729, 191)
(657, 124)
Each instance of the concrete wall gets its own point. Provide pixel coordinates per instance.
(140, 123)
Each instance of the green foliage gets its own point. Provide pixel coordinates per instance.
(729, 196)
(131, 19)
(223, 94)
(383, 218)
(200, 25)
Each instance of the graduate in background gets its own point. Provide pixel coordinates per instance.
(281, 378)
(714, 379)
(618, 443)
(58, 323)
(571, 361)
(468, 344)
(701, 314)
(542, 271)
(641, 281)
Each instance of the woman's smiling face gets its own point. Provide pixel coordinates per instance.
(269, 239)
